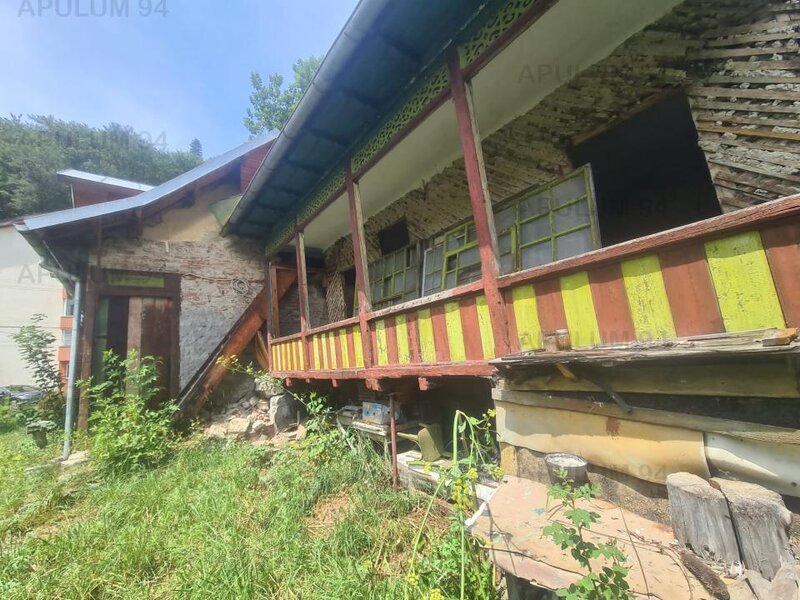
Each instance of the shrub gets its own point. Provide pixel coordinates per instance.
(128, 433)
(37, 347)
(9, 418)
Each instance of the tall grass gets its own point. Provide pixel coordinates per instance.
(220, 521)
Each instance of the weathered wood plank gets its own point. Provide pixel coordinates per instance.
(761, 521)
(700, 518)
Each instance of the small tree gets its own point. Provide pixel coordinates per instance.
(37, 347)
(606, 583)
(196, 148)
(271, 103)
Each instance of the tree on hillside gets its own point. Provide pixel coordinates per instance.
(33, 149)
(272, 103)
(196, 148)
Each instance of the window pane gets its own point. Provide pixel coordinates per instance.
(534, 230)
(533, 206)
(571, 216)
(505, 218)
(455, 240)
(450, 281)
(507, 264)
(471, 235)
(471, 273)
(574, 243)
(533, 256)
(469, 257)
(504, 243)
(571, 189)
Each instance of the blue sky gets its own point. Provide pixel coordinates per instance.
(172, 77)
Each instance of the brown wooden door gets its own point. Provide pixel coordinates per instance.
(150, 333)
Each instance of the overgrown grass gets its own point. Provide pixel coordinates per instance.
(219, 521)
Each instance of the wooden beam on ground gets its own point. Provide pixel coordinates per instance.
(736, 429)
(481, 203)
(360, 259)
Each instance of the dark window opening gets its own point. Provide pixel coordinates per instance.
(649, 173)
(394, 237)
(349, 285)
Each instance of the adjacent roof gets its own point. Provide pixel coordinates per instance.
(71, 175)
(386, 51)
(84, 213)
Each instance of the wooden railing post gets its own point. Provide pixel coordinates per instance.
(480, 201)
(302, 288)
(270, 284)
(360, 259)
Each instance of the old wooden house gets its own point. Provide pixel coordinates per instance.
(584, 212)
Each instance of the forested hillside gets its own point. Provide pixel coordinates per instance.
(32, 149)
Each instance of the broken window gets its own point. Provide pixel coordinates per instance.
(395, 277)
(394, 237)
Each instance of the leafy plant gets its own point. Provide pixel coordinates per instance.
(609, 581)
(455, 566)
(10, 418)
(128, 433)
(37, 347)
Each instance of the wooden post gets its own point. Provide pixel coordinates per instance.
(393, 433)
(86, 344)
(269, 289)
(360, 259)
(302, 289)
(481, 202)
(275, 329)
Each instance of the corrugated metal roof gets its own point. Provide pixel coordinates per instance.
(103, 180)
(83, 213)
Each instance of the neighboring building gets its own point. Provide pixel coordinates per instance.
(27, 290)
(562, 209)
(158, 277)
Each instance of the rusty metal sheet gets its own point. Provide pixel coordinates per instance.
(643, 450)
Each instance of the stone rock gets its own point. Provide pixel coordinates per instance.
(75, 459)
(216, 431)
(301, 432)
(267, 387)
(283, 411)
(239, 427)
(262, 429)
(263, 405)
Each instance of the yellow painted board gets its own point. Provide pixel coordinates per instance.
(743, 283)
(485, 327)
(529, 332)
(323, 350)
(302, 354)
(343, 344)
(647, 298)
(426, 345)
(380, 339)
(455, 334)
(315, 352)
(643, 450)
(359, 348)
(403, 351)
(576, 294)
(332, 346)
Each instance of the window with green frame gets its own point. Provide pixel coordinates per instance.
(551, 223)
(394, 278)
(543, 225)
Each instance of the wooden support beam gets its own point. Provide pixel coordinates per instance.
(335, 383)
(272, 304)
(360, 259)
(426, 384)
(273, 322)
(376, 385)
(480, 201)
(302, 287)
(86, 345)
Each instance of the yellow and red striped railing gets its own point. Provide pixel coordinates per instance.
(733, 273)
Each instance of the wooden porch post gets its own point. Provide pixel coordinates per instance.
(270, 285)
(360, 259)
(86, 345)
(481, 202)
(302, 289)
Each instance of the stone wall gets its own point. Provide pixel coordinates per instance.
(737, 61)
(219, 276)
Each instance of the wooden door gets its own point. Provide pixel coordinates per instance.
(150, 334)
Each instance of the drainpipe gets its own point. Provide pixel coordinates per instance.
(77, 300)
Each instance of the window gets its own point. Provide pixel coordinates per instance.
(549, 223)
(66, 337)
(395, 277)
(68, 306)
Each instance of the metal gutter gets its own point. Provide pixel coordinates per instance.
(355, 30)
